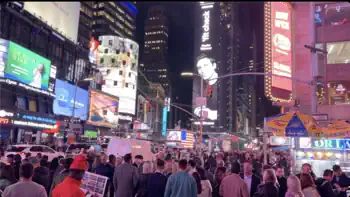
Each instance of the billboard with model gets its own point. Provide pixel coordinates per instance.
(70, 100)
(103, 109)
(117, 60)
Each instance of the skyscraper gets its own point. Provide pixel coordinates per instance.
(156, 47)
(115, 18)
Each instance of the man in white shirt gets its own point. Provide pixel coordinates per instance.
(249, 178)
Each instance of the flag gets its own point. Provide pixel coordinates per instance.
(187, 139)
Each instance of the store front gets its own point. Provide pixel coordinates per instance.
(322, 154)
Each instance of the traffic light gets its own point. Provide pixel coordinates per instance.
(140, 107)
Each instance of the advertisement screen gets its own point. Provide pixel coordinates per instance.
(103, 109)
(63, 16)
(117, 60)
(280, 48)
(70, 100)
(27, 67)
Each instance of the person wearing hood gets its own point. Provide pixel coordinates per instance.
(61, 175)
(71, 184)
(42, 175)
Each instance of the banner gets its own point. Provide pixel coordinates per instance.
(93, 185)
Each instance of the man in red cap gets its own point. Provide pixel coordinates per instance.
(70, 187)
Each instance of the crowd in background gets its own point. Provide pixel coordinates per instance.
(172, 174)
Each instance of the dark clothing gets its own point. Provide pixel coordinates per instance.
(325, 188)
(139, 168)
(105, 170)
(42, 177)
(255, 182)
(156, 185)
(267, 190)
(216, 190)
(282, 181)
(210, 177)
(5, 183)
(143, 185)
(312, 174)
(343, 181)
(16, 166)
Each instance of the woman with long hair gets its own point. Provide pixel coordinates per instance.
(205, 183)
(294, 187)
(269, 186)
(197, 177)
(308, 185)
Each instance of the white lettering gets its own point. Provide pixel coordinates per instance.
(281, 70)
(4, 113)
(282, 24)
(206, 26)
(282, 15)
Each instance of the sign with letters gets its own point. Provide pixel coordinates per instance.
(335, 144)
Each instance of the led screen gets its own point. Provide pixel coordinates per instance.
(117, 60)
(27, 67)
(69, 97)
(103, 109)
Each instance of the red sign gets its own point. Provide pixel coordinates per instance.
(4, 121)
(278, 49)
(55, 130)
(281, 33)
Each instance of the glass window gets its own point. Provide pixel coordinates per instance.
(32, 105)
(36, 149)
(338, 52)
(21, 102)
(339, 92)
(48, 150)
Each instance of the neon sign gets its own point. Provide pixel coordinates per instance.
(4, 113)
(205, 39)
(4, 121)
(278, 51)
(331, 144)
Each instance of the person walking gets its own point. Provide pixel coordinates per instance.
(282, 181)
(324, 184)
(25, 187)
(294, 187)
(125, 178)
(181, 184)
(249, 178)
(239, 188)
(157, 181)
(308, 185)
(207, 190)
(7, 177)
(147, 171)
(70, 187)
(269, 186)
(219, 176)
(67, 162)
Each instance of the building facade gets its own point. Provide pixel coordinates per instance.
(114, 18)
(156, 47)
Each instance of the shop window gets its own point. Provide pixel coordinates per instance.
(21, 103)
(33, 105)
(339, 93)
(36, 149)
(338, 52)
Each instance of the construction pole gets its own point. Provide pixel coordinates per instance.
(313, 60)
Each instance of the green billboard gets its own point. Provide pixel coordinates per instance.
(27, 67)
(90, 134)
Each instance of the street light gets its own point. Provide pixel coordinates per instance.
(188, 74)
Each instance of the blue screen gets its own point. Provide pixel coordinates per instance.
(64, 102)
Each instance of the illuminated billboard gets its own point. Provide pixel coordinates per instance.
(117, 60)
(278, 51)
(62, 16)
(21, 67)
(103, 109)
(70, 100)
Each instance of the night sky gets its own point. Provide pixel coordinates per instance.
(181, 49)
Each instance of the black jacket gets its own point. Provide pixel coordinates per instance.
(255, 182)
(267, 190)
(343, 181)
(142, 190)
(325, 188)
(42, 177)
(282, 181)
(156, 185)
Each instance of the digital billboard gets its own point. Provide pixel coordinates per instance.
(278, 51)
(70, 100)
(62, 16)
(117, 60)
(27, 67)
(103, 109)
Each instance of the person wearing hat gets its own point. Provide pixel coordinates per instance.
(67, 162)
(71, 185)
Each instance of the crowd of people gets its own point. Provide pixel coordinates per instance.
(236, 174)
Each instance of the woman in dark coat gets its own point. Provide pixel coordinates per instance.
(269, 186)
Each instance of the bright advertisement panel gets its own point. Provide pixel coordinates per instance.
(103, 109)
(164, 121)
(278, 50)
(117, 60)
(62, 16)
(70, 100)
(27, 67)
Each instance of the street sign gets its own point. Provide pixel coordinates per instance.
(167, 103)
(320, 117)
(201, 101)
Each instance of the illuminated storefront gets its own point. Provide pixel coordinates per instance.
(322, 154)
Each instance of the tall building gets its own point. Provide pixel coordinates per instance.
(225, 43)
(156, 47)
(114, 18)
